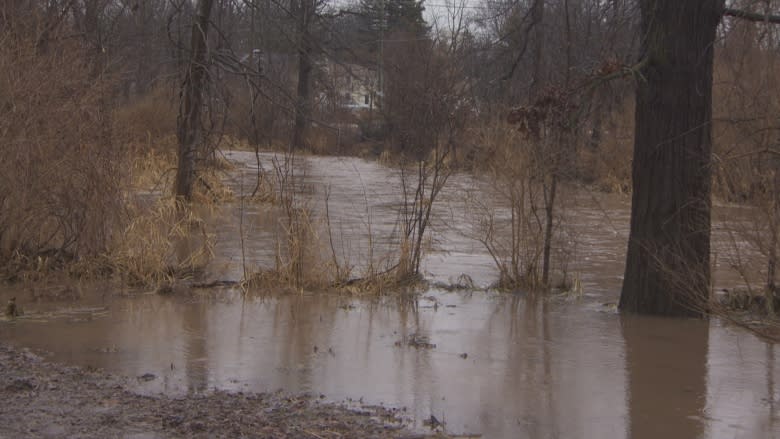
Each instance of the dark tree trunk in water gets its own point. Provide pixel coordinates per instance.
(668, 259)
(303, 105)
(189, 128)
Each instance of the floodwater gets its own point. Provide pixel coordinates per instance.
(503, 366)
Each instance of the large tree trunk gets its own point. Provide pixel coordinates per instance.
(189, 124)
(668, 260)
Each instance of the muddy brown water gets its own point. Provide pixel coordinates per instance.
(502, 365)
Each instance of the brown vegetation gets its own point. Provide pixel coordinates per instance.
(432, 111)
(71, 150)
(162, 242)
(62, 170)
(747, 163)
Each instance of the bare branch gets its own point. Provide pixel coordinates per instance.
(751, 16)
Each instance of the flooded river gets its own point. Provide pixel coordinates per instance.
(498, 365)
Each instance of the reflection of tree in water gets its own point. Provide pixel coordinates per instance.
(300, 324)
(770, 384)
(530, 373)
(666, 364)
(195, 347)
(424, 382)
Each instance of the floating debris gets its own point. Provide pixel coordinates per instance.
(11, 310)
(147, 377)
(20, 385)
(416, 340)
(433, 423)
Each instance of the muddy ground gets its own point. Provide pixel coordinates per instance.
(42, 399)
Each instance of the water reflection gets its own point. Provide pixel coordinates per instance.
(532, 368)
(666, 365)
(195, 330)
(542, 369)
(741, 394)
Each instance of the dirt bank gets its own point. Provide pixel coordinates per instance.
(43, 399)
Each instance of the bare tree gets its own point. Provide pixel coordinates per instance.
(192, 92)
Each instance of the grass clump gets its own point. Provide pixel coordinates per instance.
(162, 242)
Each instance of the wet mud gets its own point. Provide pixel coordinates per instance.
(46, 400)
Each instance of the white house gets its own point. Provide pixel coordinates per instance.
(353, 86)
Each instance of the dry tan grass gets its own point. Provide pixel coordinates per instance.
(162, 242)
(148, 118)
(153, 169)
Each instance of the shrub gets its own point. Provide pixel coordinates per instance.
(61, 172)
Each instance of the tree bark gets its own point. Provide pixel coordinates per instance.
(189, 124)
(668, 259)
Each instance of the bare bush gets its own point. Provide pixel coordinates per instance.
(747, 155)
(511, 227)
(310, 252)
(61, 172)
(298, 261)
(421, 184)
(426, 112)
